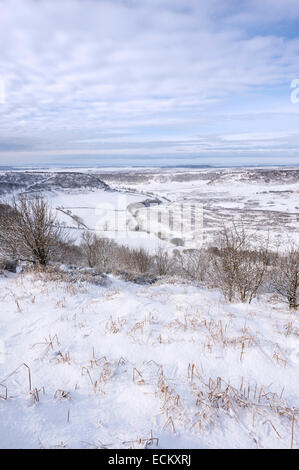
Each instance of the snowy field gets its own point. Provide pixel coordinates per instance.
(127, 366)
(266, 199)
(104, 213)
(111, 202)
(170, 365)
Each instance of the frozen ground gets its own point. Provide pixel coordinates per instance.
(127, 366)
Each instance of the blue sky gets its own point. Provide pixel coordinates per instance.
(91, 82)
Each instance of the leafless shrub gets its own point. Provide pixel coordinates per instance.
(192, 264)
(108, 256)
(285, 275)
(68, 253)
(89, 248)
(240, 265)
(141, 260)
(29, 230)
(136, 260)
(163, 262)
(98, 251)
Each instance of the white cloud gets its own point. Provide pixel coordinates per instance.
(77, 70)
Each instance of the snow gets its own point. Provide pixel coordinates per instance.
(265, 199)
(170, 365)
(115, 365)
(104, 212)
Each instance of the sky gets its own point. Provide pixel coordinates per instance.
(141, 82)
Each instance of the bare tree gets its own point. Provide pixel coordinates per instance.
(239, 266)
(285, 275)
(29, 230)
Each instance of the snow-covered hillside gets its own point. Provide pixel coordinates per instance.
(266, 199)
(125, 365)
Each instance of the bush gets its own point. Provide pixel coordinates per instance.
(240, 266)
(192, 264)
(285, 275)
(29, 230)
(163, 262)
(68, 253)
(107, 255)
(98, 251)
(140, 260)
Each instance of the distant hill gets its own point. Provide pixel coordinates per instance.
(15, 181)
